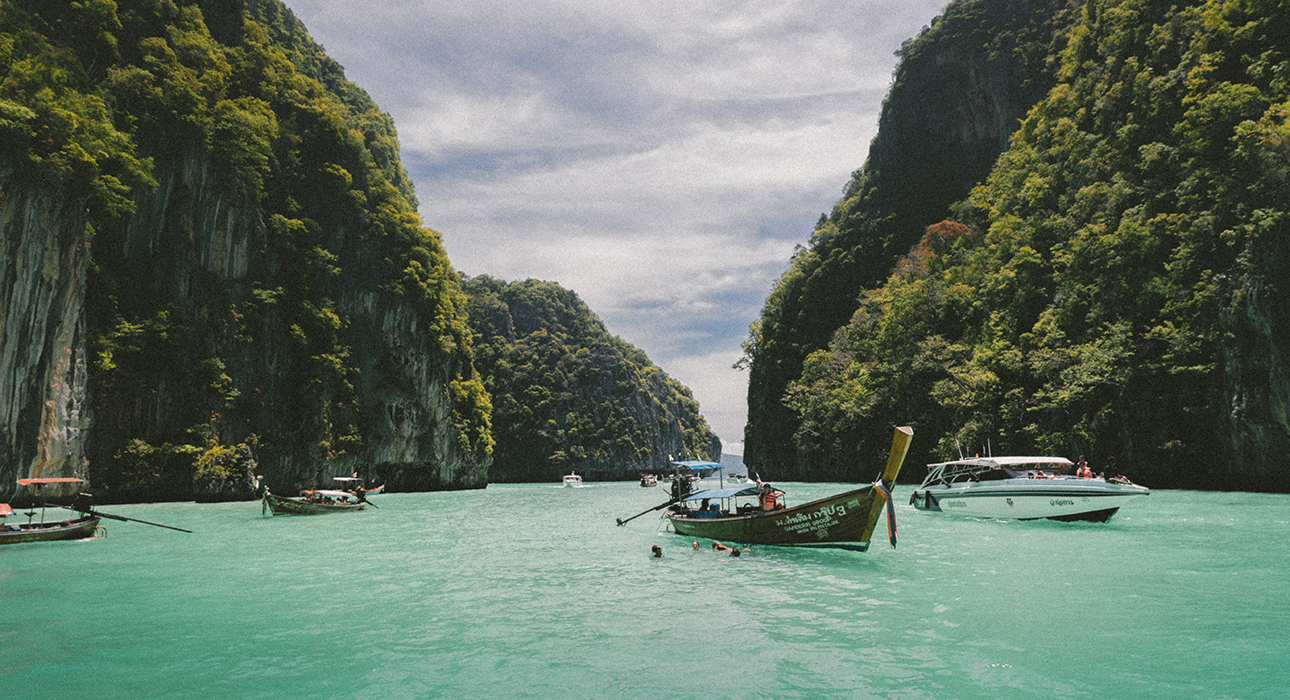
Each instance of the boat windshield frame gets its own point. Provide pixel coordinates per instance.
(1014, 467)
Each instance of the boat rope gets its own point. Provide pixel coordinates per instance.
(891, 510)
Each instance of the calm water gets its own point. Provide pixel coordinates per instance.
(532, 591)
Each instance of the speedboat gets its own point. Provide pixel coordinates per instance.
(649, 480)
(1021, 488)
(572, 480)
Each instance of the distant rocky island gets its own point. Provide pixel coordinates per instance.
(569, 396)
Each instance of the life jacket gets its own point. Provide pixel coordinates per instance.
(768, 500)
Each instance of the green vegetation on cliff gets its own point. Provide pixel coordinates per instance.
(253, 238)
(1117, 287)
(959, 91)
(567, 395)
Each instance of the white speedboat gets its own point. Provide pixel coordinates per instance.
(1021, 488)
(572, 480)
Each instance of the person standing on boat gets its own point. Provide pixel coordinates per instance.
(769, 497)
(1081, 469)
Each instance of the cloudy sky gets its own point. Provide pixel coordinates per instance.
(661, 159)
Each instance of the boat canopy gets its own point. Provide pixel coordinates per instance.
(65, 480)
(710, 494)
(698, 464)
(345, 478)
(1005, 462)
(333, 494)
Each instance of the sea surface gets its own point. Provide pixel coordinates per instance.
(532, 591)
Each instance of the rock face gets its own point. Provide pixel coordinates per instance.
(44, 416)
(255, 296)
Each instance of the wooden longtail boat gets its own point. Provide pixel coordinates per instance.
(353, 484)
(311, 503)
(87, 525)
(45, 530)
(844, 521)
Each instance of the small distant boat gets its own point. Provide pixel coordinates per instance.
(312, 502)
(1021, 488)
(844, 521)
(352, 484)
(572, 480)
(649, 480)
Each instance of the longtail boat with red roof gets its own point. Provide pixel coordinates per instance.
(14, 531)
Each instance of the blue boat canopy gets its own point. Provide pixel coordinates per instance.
(745, 490)
(698, 464)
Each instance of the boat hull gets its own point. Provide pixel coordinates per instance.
(75, 529)
(844, 521)
(280, 505)
(1030, 499)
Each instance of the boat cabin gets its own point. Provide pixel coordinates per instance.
(996, 469)
(328, 497)
(724, 502)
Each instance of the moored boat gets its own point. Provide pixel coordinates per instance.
(843, 521)
(354, 485)
(81, 527)
(1021, 488)
(312, 502)
(44, 530)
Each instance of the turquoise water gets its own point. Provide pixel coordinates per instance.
(532, 591)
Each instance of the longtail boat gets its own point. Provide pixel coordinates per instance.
(312, 502)
(45, 530)
(354, 484)
(844, 521)
(78, 528)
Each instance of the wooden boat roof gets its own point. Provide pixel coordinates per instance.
(746, 490)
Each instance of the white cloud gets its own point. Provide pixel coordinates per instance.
(662, 159)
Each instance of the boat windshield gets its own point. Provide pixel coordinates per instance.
(995, 468)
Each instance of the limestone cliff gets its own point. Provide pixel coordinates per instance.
(960, 90)
(218, 273)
